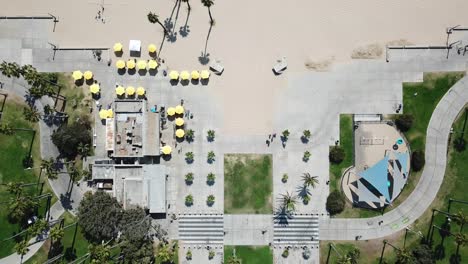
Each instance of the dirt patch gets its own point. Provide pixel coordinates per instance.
(371, 51)
(321, 65)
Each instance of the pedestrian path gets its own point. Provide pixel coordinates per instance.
(296, 230)
(201, 229)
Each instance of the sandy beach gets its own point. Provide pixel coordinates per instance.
(248, 38)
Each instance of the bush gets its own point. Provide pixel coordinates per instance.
(285, 253)
(68, 137)
(418, 160)
(336, 155)
(459, 144)
(335, 203)
(404, 122)
(285, 178)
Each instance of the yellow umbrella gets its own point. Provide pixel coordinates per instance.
(119, 90)
(179, 121)
(184, 75)
(131, 64)
(140, 90)
(195, 75)
(110, 113)
(120, 64)
(94, 88)
(179, 133)
(171, 111)
(103, 114)
(141, 65)
(152, 64)
(166, 150)
(205, 74)
(174, 75)
(179, 109)
(118, 47)
(77, 75)
(152, 48)
(130, 90)
(88, 75)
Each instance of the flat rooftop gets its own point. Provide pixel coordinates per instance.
(128, 134)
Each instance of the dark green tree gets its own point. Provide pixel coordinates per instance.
(337, 154)
(335, 203)
(69, 137)
(404, 122)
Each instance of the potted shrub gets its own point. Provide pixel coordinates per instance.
(190, 135)
(210, 200)
(189, 157)
(189, 178)
(211, 254)
(210, 179)
(285, 135)
(211, 157)
(285, 253)
(285, 178)
(306, 136)
(188, 256)
(210, 135)
(306, 156)
(306, 199)
(189, 200)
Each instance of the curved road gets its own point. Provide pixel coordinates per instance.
(425, 192)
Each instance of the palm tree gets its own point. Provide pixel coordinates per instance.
(31, 114)
(153, 18)
(20, 207)
(288, 202)
(22, 249)
(50, 168)
(100, 254)
(56, 233)
(10, 69)
(38, 227)
(233, 260)
(306, 134)
(165, 254)
(208, 4)
(345, 259)
(310, 181)
(404, 257)
(83, 149)
(15, 188)
(461, 219)
(6, 129)
(461, 240)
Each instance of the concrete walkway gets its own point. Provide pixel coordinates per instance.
(425, 192)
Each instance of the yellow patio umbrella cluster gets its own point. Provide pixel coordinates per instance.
(179, 121)
(205, 74)
(179, 133)
(179, 109)
(166, 150)
(140, 91)
(103, 114)
(131, 64)
(184, 75)
(171, 111)
(130, 90)
(195, 75)
(118, 47)
(174, 75)
(119, 90)
(152, 64)
(77, 75)
(141, 65)
(94, 88)
(120, 64)
(88, 75)
(152, 48)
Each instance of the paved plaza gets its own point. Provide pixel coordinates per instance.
(311, 101)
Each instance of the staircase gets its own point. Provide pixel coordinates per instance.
(201, 229)
(297, 230)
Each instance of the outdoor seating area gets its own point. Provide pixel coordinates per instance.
(130, 91)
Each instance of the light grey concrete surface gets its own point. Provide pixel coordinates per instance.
(248, 229)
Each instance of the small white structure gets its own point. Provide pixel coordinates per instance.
(134, 45)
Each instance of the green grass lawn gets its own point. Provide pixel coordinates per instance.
(247, 184)
(428, 94)
(346, 142)
(250, 255)
(80, 248)
(14, 149)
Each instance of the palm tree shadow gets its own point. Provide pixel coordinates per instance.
(204, 58)
(282, 216)
(185, 30)
(303, 191)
